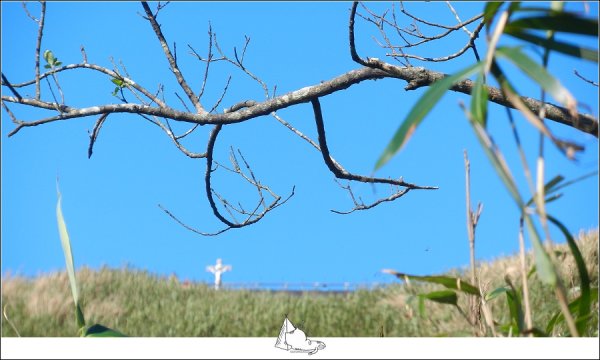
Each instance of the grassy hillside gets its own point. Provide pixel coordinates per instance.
(140, 304)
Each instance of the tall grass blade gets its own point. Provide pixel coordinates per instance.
(515, 307)
(573, 307)
(584, 302)
(66, 245)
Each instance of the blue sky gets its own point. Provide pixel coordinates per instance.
(110, 201)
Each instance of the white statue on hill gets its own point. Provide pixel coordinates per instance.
(218, 269)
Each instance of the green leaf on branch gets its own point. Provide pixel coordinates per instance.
(49, 57)
(118, 82)
(51, 60)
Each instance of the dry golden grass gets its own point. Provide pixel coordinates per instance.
(140, 304)
(443, 320)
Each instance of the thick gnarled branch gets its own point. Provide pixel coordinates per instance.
(416, 76)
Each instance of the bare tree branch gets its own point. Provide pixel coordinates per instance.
(380, 20)
(10, 87)
(174, 67)
(38, 46)
(585, 79)
(360, 205)
(152, 108)
(95, 132)
(338, 170)
(416, 76)
(251, 216)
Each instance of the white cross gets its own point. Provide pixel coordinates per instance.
(218, 269)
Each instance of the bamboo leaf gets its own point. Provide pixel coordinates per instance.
(548, 188)
(442, 297)
(561, 21)
(433, 94)
(98, 330)
(66, 245)
(490, 11)
(496, 292)
(447, 281)
(584, 302)
(573, 307)
(544, 267)
(479, 99)
(556, 45)
(497, 160)
(540, 75)
(514, 304)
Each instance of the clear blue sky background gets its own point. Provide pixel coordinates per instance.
(110, 201)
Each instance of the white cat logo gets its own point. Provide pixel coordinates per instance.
(295, 340)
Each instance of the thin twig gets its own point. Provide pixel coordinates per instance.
(585, 79)
(458, 18)
(7, 83)
(340, 172)
(95, 132)
(38, 46)
(174, 67)
(358, 206)
(523, 260)
(472, 219)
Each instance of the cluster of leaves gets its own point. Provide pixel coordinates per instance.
(120, 85)
(580, 306)
(552, 20)
(52, 62)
